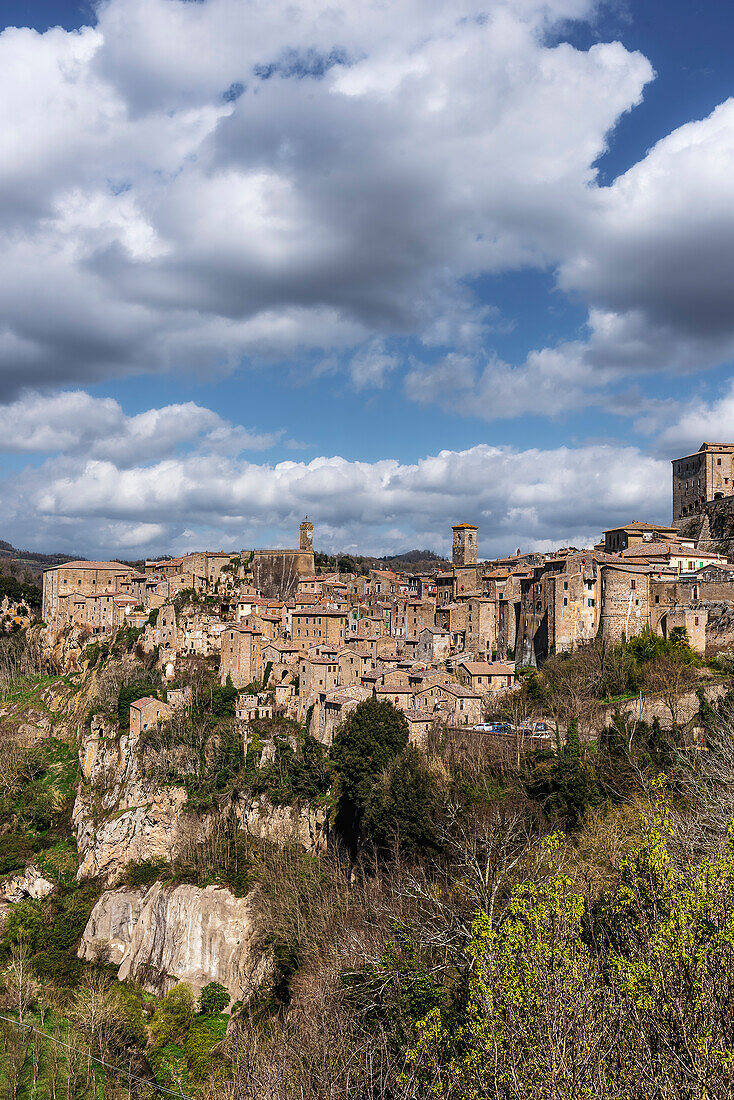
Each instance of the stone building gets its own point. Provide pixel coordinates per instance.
(82, 578)
(636, 533)
(147, 713)
(306, 533)
(486, 676)
(464, 545)
(706, 475)
(241, 656)
(316, 625)
(626, 600)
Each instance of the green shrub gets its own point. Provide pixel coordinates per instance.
(213, 998)
(145, 873)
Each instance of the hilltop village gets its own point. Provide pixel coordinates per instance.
(311, 645)
(268, 822)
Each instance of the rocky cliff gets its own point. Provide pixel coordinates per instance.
(121, 816)
(168, 934)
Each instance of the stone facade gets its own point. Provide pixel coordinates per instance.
(706, 475)
(241, 655)
(464, 545)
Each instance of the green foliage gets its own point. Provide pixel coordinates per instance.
(364, 745)
(647, 646)
(403, 809)
(554, 1010)
(20, 591)
(292, 775)
(564, 782)
(223, 699)
(153, 617)
(213, 998)
(173, 1016)
(94, 652)
(130, 693)
(145, 873)
(52, 928)
(204, 1034)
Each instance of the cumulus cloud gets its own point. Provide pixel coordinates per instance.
(75, 423)
(686, 427)
(205, 183)
(530, 498)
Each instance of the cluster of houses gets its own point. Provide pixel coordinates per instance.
(440, 646)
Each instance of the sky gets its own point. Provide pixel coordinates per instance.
(391, 265)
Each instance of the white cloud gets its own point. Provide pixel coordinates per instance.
(529, 498)
(689, 425)
(74, 423)
(375, 158)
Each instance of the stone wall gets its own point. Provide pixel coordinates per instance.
(276, 573)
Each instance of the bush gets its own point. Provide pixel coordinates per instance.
(130, 693)
(173, 1016)
(145, 873)
(213, 998)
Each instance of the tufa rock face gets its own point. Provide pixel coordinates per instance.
(301, 825)
(26, 884)
(168, 934)
(119, 817)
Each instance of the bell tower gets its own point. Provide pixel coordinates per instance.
(464, 546)
(306, 535)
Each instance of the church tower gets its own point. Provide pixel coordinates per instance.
(464, 545)
(306, 535)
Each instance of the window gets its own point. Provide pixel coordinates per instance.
(591, 603)
(696, 620)
(565, 586)
(633, 585)
(565, 601)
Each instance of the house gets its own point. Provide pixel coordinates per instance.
(420, 723)
(146, 714)
(484, 676)
(433, 644)
(460, 705)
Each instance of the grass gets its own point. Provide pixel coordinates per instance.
(26, 689)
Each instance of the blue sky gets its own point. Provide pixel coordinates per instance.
(474, 263)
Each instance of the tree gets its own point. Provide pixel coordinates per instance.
(364, 745)
(403, 807)
(173, 1016)
(213, 998)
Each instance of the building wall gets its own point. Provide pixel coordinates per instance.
(276, 573)
(625, 603)
(241, 656)
(701, 477)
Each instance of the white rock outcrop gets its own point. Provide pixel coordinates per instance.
(167, 934)
(25, 884)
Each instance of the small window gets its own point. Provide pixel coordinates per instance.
(633, 585)
(565, 586)
(591, 603)
(696, 620)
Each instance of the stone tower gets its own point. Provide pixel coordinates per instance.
(306, 535)
(464, 545)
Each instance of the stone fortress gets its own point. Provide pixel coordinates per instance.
(703, 496)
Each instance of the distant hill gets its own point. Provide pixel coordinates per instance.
(410, 557)
(411, 561)
(19, 562)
